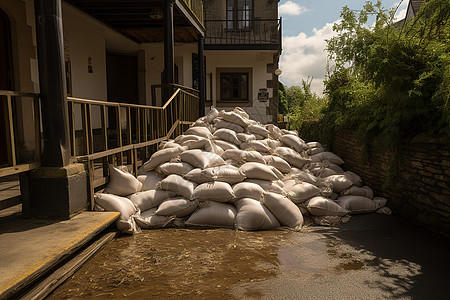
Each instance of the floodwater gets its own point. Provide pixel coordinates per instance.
(317, 263)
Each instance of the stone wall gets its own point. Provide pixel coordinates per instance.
(421, 191)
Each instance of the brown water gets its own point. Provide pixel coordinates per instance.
(177, 264)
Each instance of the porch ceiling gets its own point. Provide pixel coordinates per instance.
(140, 20)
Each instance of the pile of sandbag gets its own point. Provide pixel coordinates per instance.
(227, 170)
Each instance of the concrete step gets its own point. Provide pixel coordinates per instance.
(31, 247)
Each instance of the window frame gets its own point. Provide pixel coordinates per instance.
(234, 20)
(248, 102)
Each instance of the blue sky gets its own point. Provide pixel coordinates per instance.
(306, 24)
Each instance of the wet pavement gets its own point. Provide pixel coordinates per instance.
(372, 257)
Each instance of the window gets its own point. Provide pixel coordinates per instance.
(234, 86)
(239, 14)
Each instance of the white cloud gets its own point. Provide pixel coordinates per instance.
(400, 14)
(291, 8)
(304, 56)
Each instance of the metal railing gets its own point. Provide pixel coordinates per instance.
(158, 91)
(124, 133)
(247, 32)
(196, 7)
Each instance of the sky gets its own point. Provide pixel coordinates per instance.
(306, 24)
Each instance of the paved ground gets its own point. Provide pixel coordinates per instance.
(372, 257)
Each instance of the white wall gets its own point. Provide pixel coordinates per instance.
(257, 60)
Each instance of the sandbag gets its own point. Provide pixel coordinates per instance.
(121, 183)
(199, 143)
(316, 150)
(211, 146)
(320, 206)
(243, 156)
(274, 131)
(314, 144)
(268, 186)
(227, 135)
(168, 144)
(179, 185)
(294, 142)
(278, 163)
(199, 131)
(293, 132)
(248, 190)
(306, 177)
(149, 199)
(179, 168)
(259, 130)
(255, 145)
(356, 180)
(272, 144)
(215, 191)
(276, 172)
(253, 215)
(340, 182)
(330, 156)
(195, 176)
(357, 204)
(160, 157)
(177, 206)
(211, 115)
(225, 145)
(201, 159)
(227, 174)
(186, 138)
(220, 123)
(364, 191)
(124, 206)
(213, 214)
(245, 138)
(149, 180)
(299, 191)
(286, 212)
(234, 118)
(380, 201)
(148, 220)
(258, 171)
(291, 156)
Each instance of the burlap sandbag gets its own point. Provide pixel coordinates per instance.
(248, 190)
(258, 171)
(320, 206)
(213, 214)
(215, 191)
(286, 212)
(177, 206)
(253, 215)
(122, 183)
(179, 185)
(160, 157)
(149, 199)
(149, 180)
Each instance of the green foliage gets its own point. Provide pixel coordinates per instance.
(390, 81)
(282, 100)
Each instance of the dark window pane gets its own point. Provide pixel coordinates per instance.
(234, 86)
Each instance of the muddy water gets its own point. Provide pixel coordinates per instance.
(178, 263)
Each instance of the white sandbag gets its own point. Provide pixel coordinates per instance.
(274, 131)
(294, 142)
(233, 117)
(213, 214)
(195, 143)
(291, 156)
(314, 144)
(258, 171)
(306, 177)
(253, 215)
(278, 163)
(233, 163)
(259, 130)
(356, 180)
(160, 157)
(121, 183)
(259, 137)
(211, 146)
(330, 156)
(220, 124)
(316, 150)
(248, 190)
(276, 172)
(340, 182)
(240, 111)
(227, 135)
(243, 156)
(320, 206)
(268, 186)
(215, 191)
(272, 144)
(211, 115)
(201, 159)
(149, 180)
(286, 212)
(245, 138)
(255, 145)
(299, 191)
(177, 206)
(364, 191)
(179, 168)
(325, 172)
(168, 144)
(149, 199)
(199, 131)
(124, 206)
(357, 204)
(179, 185)
(148, 220)
(380, 201)
(225, 145)
(227, 174)
(285, 131)
(195, 176)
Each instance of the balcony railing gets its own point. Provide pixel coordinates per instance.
(196, 6)
(224, 34)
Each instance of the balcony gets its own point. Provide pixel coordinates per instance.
(262, 34)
